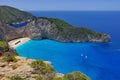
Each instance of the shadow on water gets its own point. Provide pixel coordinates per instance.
(19, 24)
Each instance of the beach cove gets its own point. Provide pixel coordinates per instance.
(17, 42)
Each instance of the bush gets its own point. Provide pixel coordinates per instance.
(39, 77)
(4, 45)
(73, 76)
(15, 53)
(76, 76)
(16, 77)
(62, 78)
(41, 68)
(10, 53)
(10, 59)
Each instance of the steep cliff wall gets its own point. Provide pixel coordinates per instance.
(2, 34)
(59, 30)
(44, 28)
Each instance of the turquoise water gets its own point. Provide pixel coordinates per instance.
(100, 61)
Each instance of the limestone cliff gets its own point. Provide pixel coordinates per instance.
(48, 28)
(59, 30)
(1, 33)
(45, 29)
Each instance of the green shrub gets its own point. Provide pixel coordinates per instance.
(76, 76)
(10, 59)
(4, 45)
(41, 68)
(11, 53)
(16, 77)
(15, 53)
(61, 78)
(39, 77)
(73, 76)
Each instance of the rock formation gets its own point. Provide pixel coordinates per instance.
(46, 28)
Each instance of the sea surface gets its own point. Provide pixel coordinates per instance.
(100, 61)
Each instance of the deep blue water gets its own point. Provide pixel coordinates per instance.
(19, 25)
(102, 21)
(100, 61)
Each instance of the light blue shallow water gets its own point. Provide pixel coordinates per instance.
(100, 61)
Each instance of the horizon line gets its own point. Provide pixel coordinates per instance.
(71, 10)
(61, 9)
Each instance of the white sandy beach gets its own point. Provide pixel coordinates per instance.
(17, 42)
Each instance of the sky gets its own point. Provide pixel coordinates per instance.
(76, 5)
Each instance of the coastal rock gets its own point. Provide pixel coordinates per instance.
(20, 68)
(34, 31)
(2, 34)
(46, 28)
(49, 29)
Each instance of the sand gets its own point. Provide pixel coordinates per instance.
(17, 42)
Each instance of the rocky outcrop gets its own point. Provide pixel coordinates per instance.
(21, 67)
(45, 28)
(50, 30)
(14, 33)
(2, 34)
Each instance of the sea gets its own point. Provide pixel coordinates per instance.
(100, 61)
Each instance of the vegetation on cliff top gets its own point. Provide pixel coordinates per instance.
(46, 72)
(73, 76)
(10, 59)
(41, 68)
(16, 77)
(10, 14)
(4, 45)
(68, 30)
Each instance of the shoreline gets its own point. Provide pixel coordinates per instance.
(17, 42)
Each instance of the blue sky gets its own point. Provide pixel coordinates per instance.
(63, 4)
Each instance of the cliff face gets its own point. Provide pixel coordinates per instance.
(62, 31)
(2, 32)
(45, 28)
